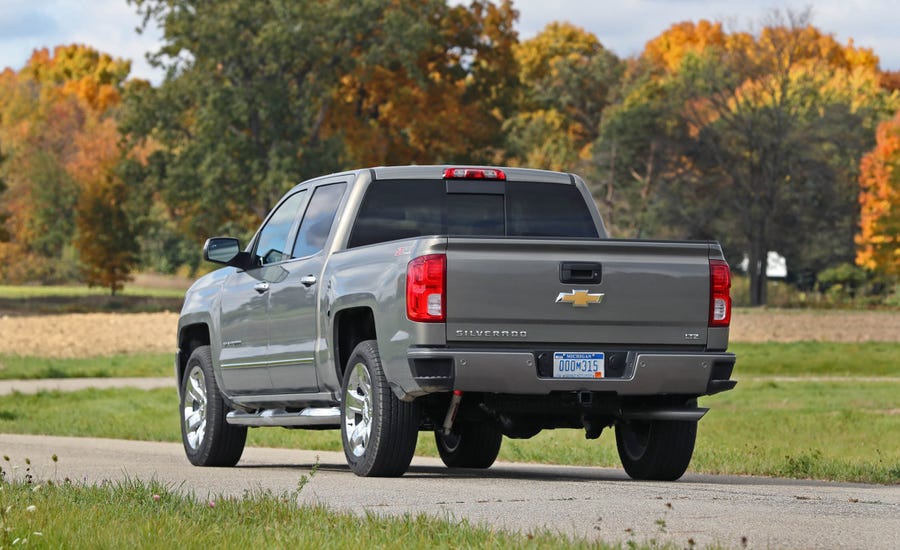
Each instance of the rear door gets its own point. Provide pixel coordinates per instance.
(293, 301)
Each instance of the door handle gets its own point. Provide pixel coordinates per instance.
(308, 281)
(261, 287)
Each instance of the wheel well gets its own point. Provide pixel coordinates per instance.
(351, 327)
(190, 338)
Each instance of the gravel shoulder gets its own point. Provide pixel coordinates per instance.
(8, 387)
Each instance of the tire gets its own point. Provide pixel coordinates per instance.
(469, 445)
(208, 440)
(656, 449)
(378, 431)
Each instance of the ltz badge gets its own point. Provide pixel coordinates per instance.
(579, 298)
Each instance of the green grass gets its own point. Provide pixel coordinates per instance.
(29, 291)
(49, 300)
(817, 359)
(871, 359)
(844, 431)
(135, 514)
(139, 365)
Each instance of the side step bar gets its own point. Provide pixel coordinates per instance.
(321, 417)
(665, 414)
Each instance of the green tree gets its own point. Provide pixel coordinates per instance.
(249, 86)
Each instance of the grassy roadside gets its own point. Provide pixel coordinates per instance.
(816, 359)
(135, 514)
(137, 365)
(799, 359)
(843, 431)
(30, 291)
(43, 300)
(827, 429)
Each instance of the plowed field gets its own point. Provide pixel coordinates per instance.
(99, 334)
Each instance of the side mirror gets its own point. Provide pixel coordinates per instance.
(226, 250)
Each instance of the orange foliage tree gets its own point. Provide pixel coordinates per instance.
(447, 105)
(879, 238)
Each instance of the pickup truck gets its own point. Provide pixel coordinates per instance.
(471, 302)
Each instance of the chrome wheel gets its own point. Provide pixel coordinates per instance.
(194, 412)
(358, 408)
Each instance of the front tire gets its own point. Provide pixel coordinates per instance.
(208, 439)
(378, 431)
(469, 445)
(656, 449)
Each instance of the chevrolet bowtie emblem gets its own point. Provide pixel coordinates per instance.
(579, 298)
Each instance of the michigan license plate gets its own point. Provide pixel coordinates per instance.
(578, 365)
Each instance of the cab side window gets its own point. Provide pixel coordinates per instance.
(316, 224)
(272, 244)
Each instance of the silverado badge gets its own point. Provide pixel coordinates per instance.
(579, 298)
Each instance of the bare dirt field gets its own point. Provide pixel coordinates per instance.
(793, 325)
(88, 334)
(101, 334)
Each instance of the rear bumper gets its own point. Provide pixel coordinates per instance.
(515, 372)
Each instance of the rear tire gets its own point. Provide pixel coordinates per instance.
(656, 449)
(378, 431)
(469, 445)
(208, 439)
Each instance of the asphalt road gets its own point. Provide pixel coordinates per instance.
(588, 502)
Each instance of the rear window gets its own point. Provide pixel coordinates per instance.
(402, 209)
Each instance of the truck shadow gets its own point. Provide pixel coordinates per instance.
(569, 474)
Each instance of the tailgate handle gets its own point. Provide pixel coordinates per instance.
(585, 273)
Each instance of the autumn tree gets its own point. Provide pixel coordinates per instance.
(447, 105)
(50, 110)
(761, 132)
(567, 77)
(104, 236)
(878, 241)
(640, 146)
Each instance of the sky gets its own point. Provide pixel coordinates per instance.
(623, 26)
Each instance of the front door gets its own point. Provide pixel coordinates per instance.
(244, 333)
(243, 351)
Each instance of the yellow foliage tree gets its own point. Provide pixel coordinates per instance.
(567, 76)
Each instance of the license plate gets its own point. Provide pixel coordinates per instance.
(578, 365)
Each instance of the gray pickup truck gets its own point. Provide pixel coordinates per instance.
(471, 302)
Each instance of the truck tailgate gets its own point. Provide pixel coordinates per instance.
(620, 292)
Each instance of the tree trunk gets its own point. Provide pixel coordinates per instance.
(757, 267)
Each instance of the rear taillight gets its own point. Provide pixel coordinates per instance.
(426, 289)
(719, 294)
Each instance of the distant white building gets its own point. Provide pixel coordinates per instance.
(776, 267)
